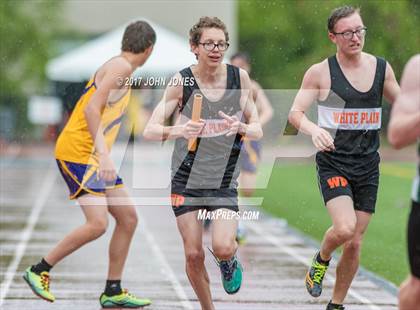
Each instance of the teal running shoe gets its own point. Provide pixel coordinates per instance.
(231, 272)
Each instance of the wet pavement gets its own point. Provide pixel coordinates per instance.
(35, 214)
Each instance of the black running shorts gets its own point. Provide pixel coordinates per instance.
(413, 239)
(356, 176)
(185, 200)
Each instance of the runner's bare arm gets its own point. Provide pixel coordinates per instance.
(116, 71)
(252, 129)
(156, 129)
(391, 87)
(264, 108)
(307, 94)
(404, 125)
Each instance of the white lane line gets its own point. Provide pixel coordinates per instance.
(25, 236)
(304, 260)
(186, 304)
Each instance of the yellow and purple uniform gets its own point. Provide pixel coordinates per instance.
(250, 155)
(75, 151)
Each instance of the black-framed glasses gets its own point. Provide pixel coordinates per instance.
(209, 46)
(348, 35)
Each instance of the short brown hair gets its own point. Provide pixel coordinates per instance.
(206, 22)
(138, 36)
(339, 13)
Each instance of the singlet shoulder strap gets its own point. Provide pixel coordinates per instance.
(187, 90)
(333, 65)
(335, 73)
(380, 72)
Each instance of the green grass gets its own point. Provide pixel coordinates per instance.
(293, 194)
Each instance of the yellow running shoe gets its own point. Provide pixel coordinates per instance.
(123, 300)
(39, 284)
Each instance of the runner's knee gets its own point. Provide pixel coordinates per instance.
(129, 219)
(224, 249)
(194, 257)
(132, 220)
(345, 232)
(97, 227)
(353, 246)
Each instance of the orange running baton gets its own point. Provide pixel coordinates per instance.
(195, 117)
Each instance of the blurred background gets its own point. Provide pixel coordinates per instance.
(49, 49)
(43, 41)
